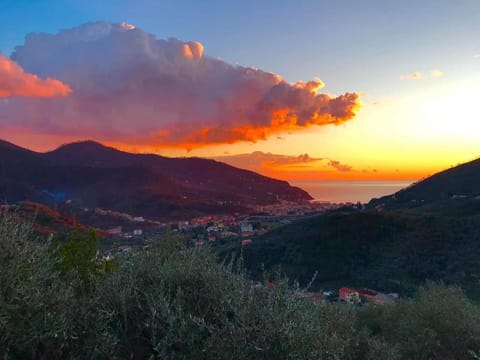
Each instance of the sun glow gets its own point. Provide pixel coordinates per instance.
(453, 115)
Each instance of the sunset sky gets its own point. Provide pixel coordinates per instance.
(299, 90)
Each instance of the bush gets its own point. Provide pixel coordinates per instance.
(78, 259)
(438, 323)
(173, 302)
(39, 314)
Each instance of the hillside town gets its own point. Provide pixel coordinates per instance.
(131, 229)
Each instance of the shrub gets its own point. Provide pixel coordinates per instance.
(438, 323)
(173, 302)
(39, 314)
(78, 259)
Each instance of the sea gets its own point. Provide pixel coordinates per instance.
(350, 191)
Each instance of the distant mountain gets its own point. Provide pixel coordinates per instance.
(455, 192)
(148, 185)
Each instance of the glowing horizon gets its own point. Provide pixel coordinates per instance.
(395, 104)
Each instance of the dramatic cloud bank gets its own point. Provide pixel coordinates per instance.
(130, 87)
(14, 81)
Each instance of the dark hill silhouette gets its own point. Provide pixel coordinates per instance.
(383, 250)
(428, 231)
(195, 173)
(145, 184)
(455, 191)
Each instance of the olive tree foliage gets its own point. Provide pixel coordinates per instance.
(39, 312)
(437, 323)
(174, 302)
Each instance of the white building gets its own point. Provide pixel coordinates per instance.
(246, 227)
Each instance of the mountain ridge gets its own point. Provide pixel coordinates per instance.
(150, 185)
(427, 231)
(454, 191)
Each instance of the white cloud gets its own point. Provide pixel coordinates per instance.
(127, 26)
(418, 75)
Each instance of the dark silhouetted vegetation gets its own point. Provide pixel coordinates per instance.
(452, 192)
(384, 250)
(172, 302)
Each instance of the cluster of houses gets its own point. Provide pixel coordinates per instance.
(218, 221)
(200, 230)
(221, 231)
(134, 226)
(359, 296)
(345, 294)
(211, 228)
(287, 208)
(117, 231)
(351, 296)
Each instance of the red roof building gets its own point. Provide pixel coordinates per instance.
(367, 295)
(344, 292)
(247, 242)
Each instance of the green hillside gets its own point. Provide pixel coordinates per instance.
(428, 231)
(384, 250)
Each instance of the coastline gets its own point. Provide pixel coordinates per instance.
(350, 191)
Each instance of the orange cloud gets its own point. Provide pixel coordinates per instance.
(267, 162)
(192, 50)
(270, 117)
(288, 166)
(134, 89)
(307, 168)
(14, 81)
(339, 166)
